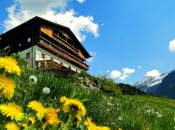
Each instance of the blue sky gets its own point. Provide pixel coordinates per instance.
(128, 39)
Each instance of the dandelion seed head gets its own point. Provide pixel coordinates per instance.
(33, 79)
(46, 90)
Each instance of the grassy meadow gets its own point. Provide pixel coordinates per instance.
(117, 111)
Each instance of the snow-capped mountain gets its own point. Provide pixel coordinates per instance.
(148, 82)
(162, 85)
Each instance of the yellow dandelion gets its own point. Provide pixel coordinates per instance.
(31, 120)
(12, 110)
(102, 128)
(51, 115)
(79, 120)
(63, 99)
(90, 125)
(12, 126)
(7, 86)
(38, 107)
(76, 105)
(24, 125)
(10, 65)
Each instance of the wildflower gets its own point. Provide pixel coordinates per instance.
(90, 125)
(63, 99)
(120, 118)
(102, 128)
(31, 120)
(51, 115)
(148, 111)
(33, 79)
(10, 65)
(11, 110)
(24, 125)
(79, 120)
(159, 115)
(76, 105)
(46, 90)
(38, 107)
(12, 126)
(119, 129)
(7, 86)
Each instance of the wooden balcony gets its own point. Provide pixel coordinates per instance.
(63, 54)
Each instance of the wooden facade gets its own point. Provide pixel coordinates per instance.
(40, 41)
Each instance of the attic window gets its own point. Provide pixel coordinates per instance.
(42, 55)
(29, 39)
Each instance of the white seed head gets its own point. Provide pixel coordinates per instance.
(33, 79)
(46, 90)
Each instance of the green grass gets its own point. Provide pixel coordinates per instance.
(129, 112)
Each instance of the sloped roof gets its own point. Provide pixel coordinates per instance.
(42, 21)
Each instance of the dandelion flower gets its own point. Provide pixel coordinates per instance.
(63, 99)
(90, 125)
(10, 65)
(31, 120)
(76, 105)
(38, 107)
(12, 110)
(24, 125)
(33, 79)
(102, 128)
(79, 120)
(120, 118)
(46, 90)
(12, 126)
(7, 86)
(51, 115)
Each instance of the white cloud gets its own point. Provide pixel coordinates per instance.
(81, 1)
(115, 74)
(122, 76)
(153, 73)
(128, 71)
(92, 56)
(172, 45)
(55, 10)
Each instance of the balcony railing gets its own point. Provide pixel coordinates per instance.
(65, 55)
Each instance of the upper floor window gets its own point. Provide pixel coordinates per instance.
(42, 55)
(29, 39)
(28, 55)
(19, 44)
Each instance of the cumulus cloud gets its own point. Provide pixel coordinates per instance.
(92, 56)
(55, 10)
(153, 73)
(115, 74)
(172, 45)
(81, 1)
(122, 75)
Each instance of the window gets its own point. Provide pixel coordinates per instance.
(42, 55)
(29, 39)
(28, 55)
(19, 44)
